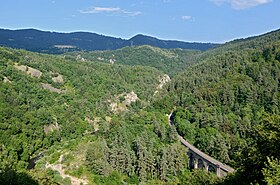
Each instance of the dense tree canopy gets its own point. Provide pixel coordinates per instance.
(107, 123)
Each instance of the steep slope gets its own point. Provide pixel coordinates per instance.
(168, 61)
(53, 42)
(256, 42)
(83, 122)
(228, 104)
(61, 101)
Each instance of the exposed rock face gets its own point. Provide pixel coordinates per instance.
(88, 120)
(58, 79)
(52, 89)
(50, 128)
(94, 123)
(117, 105)
(163, 80)
(79, 57)
(6, 80)
(112, 61)
(130, 98)
(29, 70)
(108, 119)
(114, 107)
(99, 58)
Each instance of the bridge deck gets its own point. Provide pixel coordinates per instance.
(200, 153)
(205, 156)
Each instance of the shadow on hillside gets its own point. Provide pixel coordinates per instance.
(11, 177)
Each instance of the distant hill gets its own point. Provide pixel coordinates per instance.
(140, 40)
(169, 61)
(53, 42)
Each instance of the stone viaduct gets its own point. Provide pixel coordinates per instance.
(198, 159)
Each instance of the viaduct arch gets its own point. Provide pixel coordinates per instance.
(198, 159)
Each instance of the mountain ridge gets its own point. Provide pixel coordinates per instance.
(46, 41)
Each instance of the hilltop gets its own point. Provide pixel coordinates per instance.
(54, 42)
(169, 61)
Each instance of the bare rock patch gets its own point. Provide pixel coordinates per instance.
(52, 89)
(6, 80)
(29, 70)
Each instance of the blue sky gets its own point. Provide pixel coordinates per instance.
(187, 20)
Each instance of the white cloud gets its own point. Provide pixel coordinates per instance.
(241, 4)
(186, 17)
(100, 10)
(110, 11)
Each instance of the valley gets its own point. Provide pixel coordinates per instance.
(99, 117)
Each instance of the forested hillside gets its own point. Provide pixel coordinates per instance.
(55, 43)
(60, 109)
(101, 117)
(228, 106)
(170, 61)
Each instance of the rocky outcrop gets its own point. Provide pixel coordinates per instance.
(6, 80)
(163, 80)
(120, 102)
(100, 58)
(29, 70)
(117, 107)
(94, 122)
(52, 89)
(130, 98)
(51, 127)
(79, 57)
(112, 61)
(58, 78)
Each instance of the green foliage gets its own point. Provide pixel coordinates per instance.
(97, 158)
(227, 105)
(115, 178)
(140, 156)
(56, 43)
(168, 61)
(9, 176)
(271, 172)
(27, 109)
(199, 177)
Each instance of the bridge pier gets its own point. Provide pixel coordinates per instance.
(218, 170)
(206, 165)
(195, 163)
(198, 162)
(198, 159)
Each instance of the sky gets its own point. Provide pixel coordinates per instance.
(186, 20)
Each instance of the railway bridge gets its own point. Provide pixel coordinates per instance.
(198, 159)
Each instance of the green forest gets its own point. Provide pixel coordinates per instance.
(102, 117)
